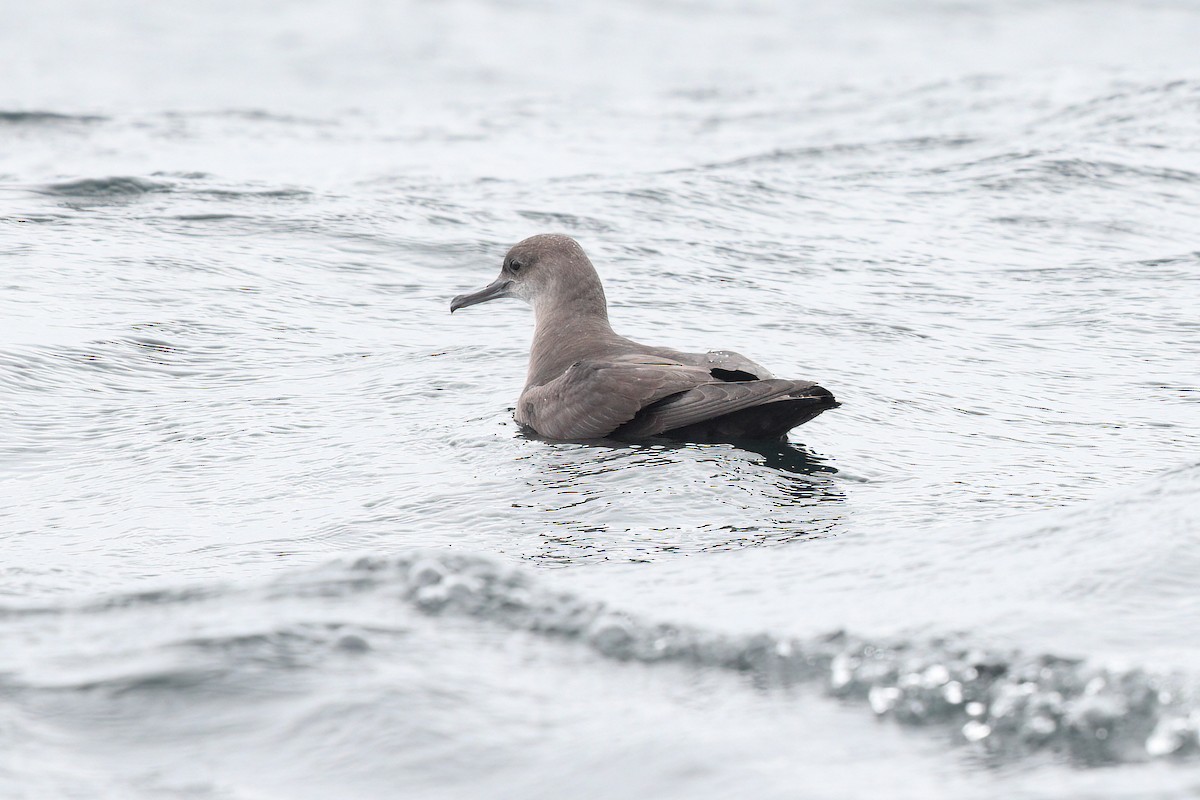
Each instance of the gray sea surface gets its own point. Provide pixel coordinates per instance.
(268, 529)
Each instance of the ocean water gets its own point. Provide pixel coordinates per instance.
(268, 529)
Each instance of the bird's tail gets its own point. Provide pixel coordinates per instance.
(771, 420)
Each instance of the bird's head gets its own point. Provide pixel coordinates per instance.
(547, 271)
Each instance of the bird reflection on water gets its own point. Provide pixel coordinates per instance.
(607, 500)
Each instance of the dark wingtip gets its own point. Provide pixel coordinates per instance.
(817, 392)
(822, 400)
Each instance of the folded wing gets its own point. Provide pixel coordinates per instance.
(723, 365)
(711, 401)
(638, 395)
(593, 398)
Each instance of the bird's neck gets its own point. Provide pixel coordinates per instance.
(572, 328)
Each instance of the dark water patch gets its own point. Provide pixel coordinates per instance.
(825, 152)
(1187, 261)
(260, 221)
(119, 187)
(1020, 175)
(182, 327)
(257, 115)
(211, 217)
(655, 196)
(1052, 227)
(566, 222)
(152, 344)
(1091, 170)
(288, 193)
(1096, 270)
(187, 182)
(1068, 174)
(47, 118)
(998, 163)
(37, 219)
(169, 681)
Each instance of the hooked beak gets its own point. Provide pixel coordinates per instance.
(496, 289)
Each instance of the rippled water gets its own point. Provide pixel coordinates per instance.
(269, 529)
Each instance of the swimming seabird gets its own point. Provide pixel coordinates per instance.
(587, 382)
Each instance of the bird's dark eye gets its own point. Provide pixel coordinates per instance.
(515, 265)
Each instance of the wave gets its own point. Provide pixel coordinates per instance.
(46, 118)
(1004, 704)
(1065, 173)
(102, 188)
(122, 187)
(1008, 703)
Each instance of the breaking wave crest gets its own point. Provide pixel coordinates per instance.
(1004, 705)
